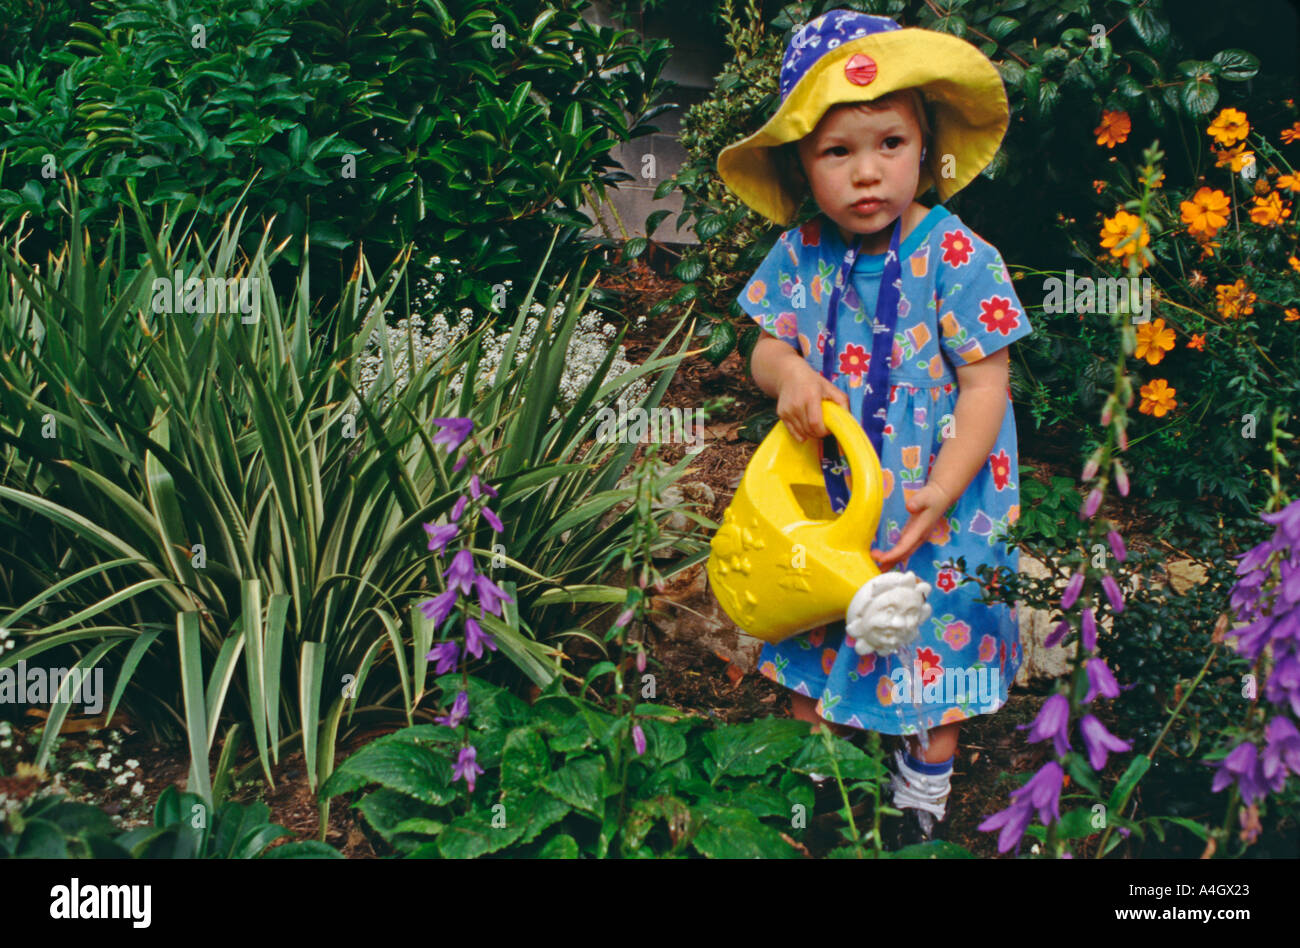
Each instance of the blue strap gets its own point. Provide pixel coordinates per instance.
(876, 393)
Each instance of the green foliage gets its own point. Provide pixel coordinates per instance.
(1048, 511)
(466, 125)
(184, 827)
(221, 520)
(550, 787)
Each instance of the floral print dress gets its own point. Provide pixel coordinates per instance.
(957, 306)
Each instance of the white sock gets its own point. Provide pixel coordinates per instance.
(925, 792)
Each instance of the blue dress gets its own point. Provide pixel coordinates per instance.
(957, 306)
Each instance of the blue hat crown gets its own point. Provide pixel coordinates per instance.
(818, 37)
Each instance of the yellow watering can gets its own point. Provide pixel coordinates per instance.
(782, 562)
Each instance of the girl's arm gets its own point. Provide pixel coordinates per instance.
(799, 390)
(977, 419)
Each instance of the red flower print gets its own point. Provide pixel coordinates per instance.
(867, 664)
(817, 636)
(1002, 653)
(931, 665)
(828, 659)
(957, 247)
(811, 233)
(1001, 465)
(853, 361)
(946, 580)
(998, 315)
(889, 430)
(786, 326)
(821, 340)
(986, 648)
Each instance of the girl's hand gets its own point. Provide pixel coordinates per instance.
(926, 507)
(799, 401)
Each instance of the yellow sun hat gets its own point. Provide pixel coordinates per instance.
(843, 57)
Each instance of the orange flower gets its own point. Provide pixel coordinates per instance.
(1154, 339)
(1295, 264)
(1197, 341)
(1115, 230)
(1237, 157)
(1269, 211)
(1099, 186)
(1290, 134)
(1234, 299)
(1207, 248)
(1206, 212)
(1289, 181)
(1229, 126)
(1157, 398)
(1292, 314)
(1196, 279)
(1114, 129)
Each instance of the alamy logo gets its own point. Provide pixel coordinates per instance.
(955, 685)
(103, 901)
(208, 296)
(659, 425)
(1103, 295)
(36, 685)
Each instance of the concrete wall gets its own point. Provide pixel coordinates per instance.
(694, 63)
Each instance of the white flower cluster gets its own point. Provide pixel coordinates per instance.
(429, 341)
(6, 641)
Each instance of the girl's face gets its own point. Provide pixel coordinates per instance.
(857, 153)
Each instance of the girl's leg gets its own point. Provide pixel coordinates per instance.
(804, 709)
(943, 744)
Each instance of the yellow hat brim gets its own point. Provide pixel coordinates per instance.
(963, 88)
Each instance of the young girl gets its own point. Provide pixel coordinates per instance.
(902, 315)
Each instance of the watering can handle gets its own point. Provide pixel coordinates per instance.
(856, 526)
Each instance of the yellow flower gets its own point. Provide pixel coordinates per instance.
(1291, 134)
(1237, 157)
(1154, 339)
(1229, 126)
(1206, 212)
(1234, 299)
(1157, 398)
(1115, 230)
(1114, 129)
(1269, 211)
(1289, 181)
(1295, 264)
(1292, 314)
(1157, 182)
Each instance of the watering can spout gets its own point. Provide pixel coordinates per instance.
(782, 562)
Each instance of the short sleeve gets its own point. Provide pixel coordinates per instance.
(978, 312)
(766, 298)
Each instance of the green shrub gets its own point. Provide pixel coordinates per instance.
(468, 126)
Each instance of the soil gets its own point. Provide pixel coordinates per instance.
(990, 746)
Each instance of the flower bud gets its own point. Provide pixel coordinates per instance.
(1121, 478)
(1091, 504)
(1090, 469)
(1117, 545)
(640, 660)
(1123, 437)
(1106, 411)
(1072, 591)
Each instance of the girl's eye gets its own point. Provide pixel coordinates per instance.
(894, 138)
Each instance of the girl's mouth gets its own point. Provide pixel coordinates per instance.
(868, 207)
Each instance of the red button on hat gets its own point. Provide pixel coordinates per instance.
(860, 69)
